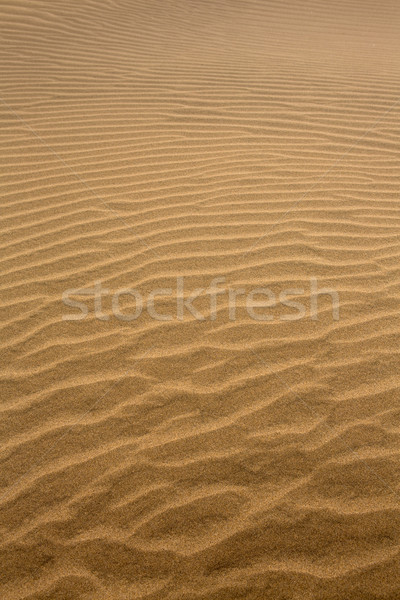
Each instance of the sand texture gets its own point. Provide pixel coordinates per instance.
(217, 459)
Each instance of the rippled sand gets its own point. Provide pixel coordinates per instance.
(145, 140)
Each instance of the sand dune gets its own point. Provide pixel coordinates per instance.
(143, 141)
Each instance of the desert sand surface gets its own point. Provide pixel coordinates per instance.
(221, 458)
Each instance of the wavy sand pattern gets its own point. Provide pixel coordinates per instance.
(142, 140)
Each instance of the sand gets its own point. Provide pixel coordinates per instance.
(148, 140)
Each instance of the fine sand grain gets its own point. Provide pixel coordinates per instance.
(215, 459)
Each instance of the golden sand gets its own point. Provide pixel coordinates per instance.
(217, 459)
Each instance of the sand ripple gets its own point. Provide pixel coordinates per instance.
(145, 140)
